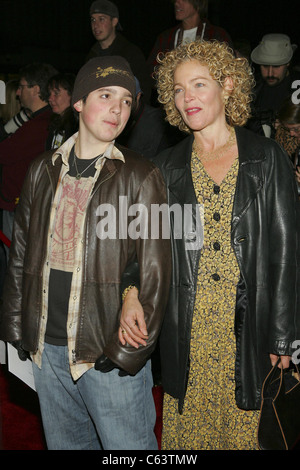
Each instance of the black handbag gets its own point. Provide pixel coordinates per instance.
(279, 422)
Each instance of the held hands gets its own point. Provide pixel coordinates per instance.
(133, 328)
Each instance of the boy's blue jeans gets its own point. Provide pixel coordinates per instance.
(98, 411)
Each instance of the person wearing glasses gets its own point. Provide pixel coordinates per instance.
(17, 151)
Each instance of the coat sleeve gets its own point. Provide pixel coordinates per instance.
(11, 308)
(153, 252)
(284, 233)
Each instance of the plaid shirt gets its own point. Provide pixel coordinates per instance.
(76, 369)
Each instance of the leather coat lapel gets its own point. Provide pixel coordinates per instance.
(250, 178)
(181, 186)
(178, 177)
(178, 173)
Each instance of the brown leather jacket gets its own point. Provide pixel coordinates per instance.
(103, 262)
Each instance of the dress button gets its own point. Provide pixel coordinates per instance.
(216, 246)
(216, 189)
(215, 277)
(216, 216)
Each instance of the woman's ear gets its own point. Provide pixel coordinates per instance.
(228, 85)
(227, 88)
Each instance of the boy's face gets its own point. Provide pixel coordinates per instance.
(104, 114)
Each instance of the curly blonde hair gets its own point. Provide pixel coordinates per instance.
(221, 63)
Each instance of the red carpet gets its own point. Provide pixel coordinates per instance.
(20, 415)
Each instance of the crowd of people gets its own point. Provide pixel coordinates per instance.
(195, 125)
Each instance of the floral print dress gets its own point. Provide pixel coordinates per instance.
(211, 418)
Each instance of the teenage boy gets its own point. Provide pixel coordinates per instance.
(63, 290)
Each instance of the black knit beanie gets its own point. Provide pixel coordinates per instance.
(100, 72)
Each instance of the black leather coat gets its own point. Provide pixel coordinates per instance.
(265, 239)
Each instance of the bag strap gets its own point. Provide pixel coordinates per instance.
(274, 374)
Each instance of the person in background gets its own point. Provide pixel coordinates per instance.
(10, 119)
(275, 81)
(12, 116)
(64, 121)
(106, 28)
(192, 24)
(63, 292)
(28, 141)
(232, 307)
(147, 131)
(288, 133)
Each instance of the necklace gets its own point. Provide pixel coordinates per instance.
(217, 153)
(78, 175)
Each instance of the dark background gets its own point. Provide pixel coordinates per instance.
(58, 31)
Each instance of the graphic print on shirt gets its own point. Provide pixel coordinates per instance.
(69, 221)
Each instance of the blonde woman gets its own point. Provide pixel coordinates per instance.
(232, 303)
(12, 105)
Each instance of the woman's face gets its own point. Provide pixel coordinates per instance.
(293, 129)
(198, 97)
(59, 99)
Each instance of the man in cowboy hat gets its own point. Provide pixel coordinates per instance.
(273, 55)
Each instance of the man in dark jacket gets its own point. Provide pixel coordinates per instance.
(106, 30)
(192, 24)
(21, 148)
(275, 81)
(74, 235)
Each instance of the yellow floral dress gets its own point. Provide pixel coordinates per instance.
(211, 419)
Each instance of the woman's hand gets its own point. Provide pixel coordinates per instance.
(297, 174)
(133, 328)
(285, 360)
